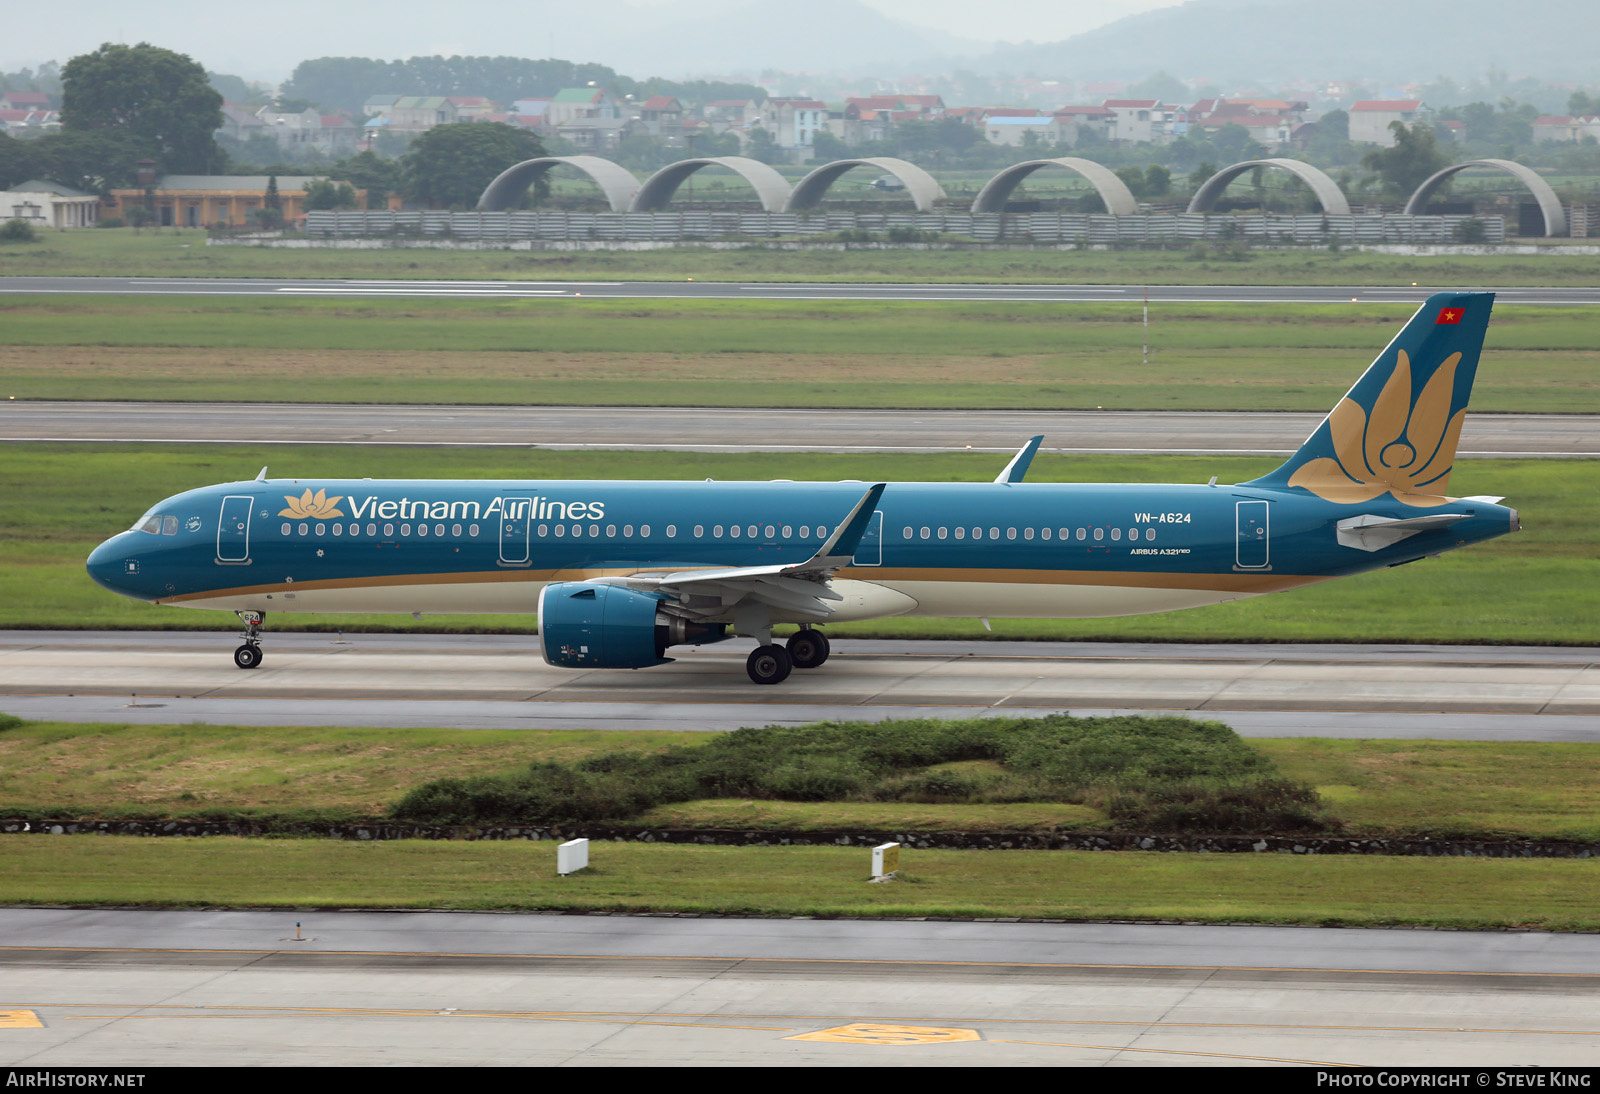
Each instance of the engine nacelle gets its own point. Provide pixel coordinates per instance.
(595, 625)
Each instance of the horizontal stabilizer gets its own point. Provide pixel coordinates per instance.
(1373, 533)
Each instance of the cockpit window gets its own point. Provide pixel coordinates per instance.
(169, 526)
(152, 525)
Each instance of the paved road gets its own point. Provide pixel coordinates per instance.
(700, 429)
(499, 681)
(132, 988)
(758, 290)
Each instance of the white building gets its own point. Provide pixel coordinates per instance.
(1370, 119)
(46, 204)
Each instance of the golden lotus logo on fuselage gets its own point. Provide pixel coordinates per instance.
(312, 506)
(1401, 448)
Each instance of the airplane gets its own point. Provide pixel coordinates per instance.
(618, 572)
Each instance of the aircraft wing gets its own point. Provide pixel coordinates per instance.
(788, 588)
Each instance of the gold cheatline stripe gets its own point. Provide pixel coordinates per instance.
(1201, 582)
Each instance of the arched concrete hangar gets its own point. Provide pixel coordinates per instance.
(1555, 217)
(614, 180)
(1119, 200)
(1326, 191)
(771, 188)
(922, 187)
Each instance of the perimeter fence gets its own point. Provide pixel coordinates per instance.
(1084, 229)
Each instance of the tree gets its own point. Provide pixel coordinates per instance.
(271, 212)
(1198, 177)
(1407, 165)
(370, 172)
(450, 165)
(97, 161)
(763, 146)
(17, 161)
(163, 98)
(1157, 181)
(327, 194)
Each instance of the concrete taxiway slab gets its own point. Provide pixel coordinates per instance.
(124, 987)
(712, 429)
(500, 680)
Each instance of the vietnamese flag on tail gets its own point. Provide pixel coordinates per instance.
(1450, 316)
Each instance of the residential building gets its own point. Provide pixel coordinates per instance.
(240, 123)
(1141, 121)
(1566, 128)
(662, 117)
(419, 113)
(572, 103)
(1075, 121)
(1014, 132)
(1370, 119)
(26, 100)
(472, 108)
(726, 114)
(46, 204)
(794, 122)
(28, 123)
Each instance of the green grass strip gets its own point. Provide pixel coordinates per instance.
(82, 870)
(753, 353)
(183, 253)
(1488, 790)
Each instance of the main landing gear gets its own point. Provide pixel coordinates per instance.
(248, 656)
(771, 664)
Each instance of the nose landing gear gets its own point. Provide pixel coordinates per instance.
(248, 656)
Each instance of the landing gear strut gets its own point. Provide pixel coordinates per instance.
(808, 648)
(248, 656)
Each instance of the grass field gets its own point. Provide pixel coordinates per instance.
(1546, 894)
(1378, 788)
(753, 353)
(183, 253)
(1539, 586)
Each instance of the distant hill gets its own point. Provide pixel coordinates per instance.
(1224, 41)
(746, 37)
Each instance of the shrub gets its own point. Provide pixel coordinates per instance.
(18, 231)
(1152, 773)
(109, 222)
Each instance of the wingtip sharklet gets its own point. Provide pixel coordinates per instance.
(1018, 467)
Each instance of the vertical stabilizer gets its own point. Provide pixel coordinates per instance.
(1397, 428)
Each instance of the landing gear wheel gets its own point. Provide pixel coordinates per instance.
(247, 656)
(808, 649)
(768, 665)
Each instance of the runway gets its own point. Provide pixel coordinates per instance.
(500, 681)
(129, 988)
(772, 290)
(702, 429)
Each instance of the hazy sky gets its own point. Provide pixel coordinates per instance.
(266, 42)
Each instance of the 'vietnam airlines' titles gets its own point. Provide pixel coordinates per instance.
(535, 508)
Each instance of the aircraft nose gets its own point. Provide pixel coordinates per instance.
(112, 564)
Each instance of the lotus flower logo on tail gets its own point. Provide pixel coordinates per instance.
(309, 505)
(1403, 448)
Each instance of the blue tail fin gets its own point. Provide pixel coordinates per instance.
(1396, 430)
